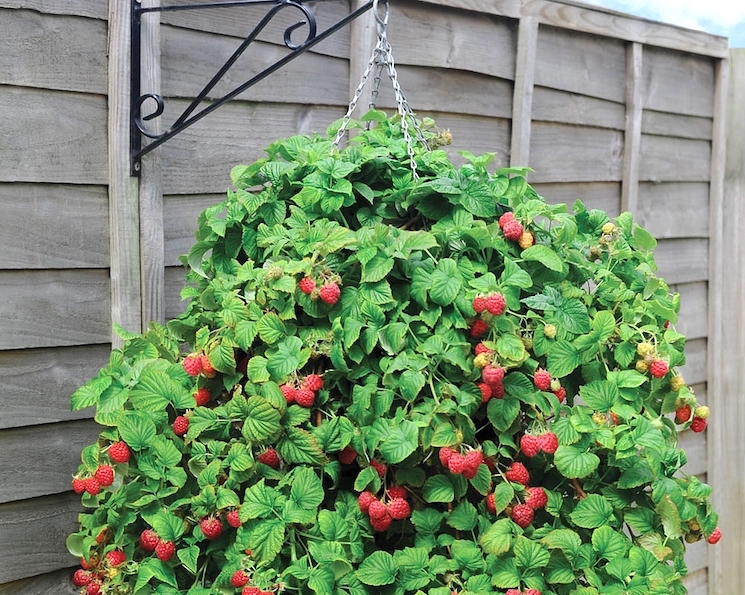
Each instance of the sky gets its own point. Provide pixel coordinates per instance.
(720, 17)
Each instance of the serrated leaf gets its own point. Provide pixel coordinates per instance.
(497, 539)
(563, 358)
(600, 395)
(270, 328)
(307, 489)
(510, 347)
(609, 544)
(446, 282)
(566, 540)
(463, 517)
(402, 440)
(545, 255)
(574, 463)
(377, 268)
(514, 276)
(529, 554)
(438, 488)
(137, 429)
(266, 539)
(262, 420)
(502, 412)
(506, 574)
(299, 446)
(604, 323)
(188, 557)
(379, 568)
(89, 393)
(257, 369)
(592, 511)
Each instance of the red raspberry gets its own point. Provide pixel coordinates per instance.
(165, 550)
(81, 578)
(347, 455)
(513, 592)
(92, 486)
(698, 424)
(457, 464)
(495, 304)
(211, 527)
(251, 590)
(530, 445)
(269, 457)
(149, 540)
(532, 592)
(683, 414)
(313, 382)
(233, 518)
(379, 467)
(239, 579)
(116, 557)
(399, 509)
(481, 348)
(105, 475)
(329, 293)
(715, 536)
(479, 304)
(89, 565)
(377, 509)
(549, 442)
(517, 473)
(658, 368)
(542, 380)
(508, 216)
(537, 498)
(497, 391)
(101, 537)
(202, 396)
(472, 462)
(93, 588)
(78, 486)
(307, 285)
(513, 230)
(193, 365)
(445, 454)
(119, 452)
(561, 394)
(382, 523)
(478, 328)
(492, 375)
(522, 514)
(290, 393)
(364, 500)
(207, 368)
(491, 504)
(180, 425)
(305, 398)
(398, 492)
(485, 391)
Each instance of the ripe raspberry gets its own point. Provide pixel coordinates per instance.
(698, 424)
(239, 579)
(485, 391)
(497, 391)
(530, 445)
(495, 304)
(522, 514)
(549, 442)
(81, 578)
(289, 392)
(549, 331)
(472, 462)
(561, 394)
(92, 486)
(683, 414)
(269, 457)
(382, 523)
(479, 304)
(149, 540)
(715, 536)
(513, 592)
(193, 365)
(180, 425)
(93, 587)
(119, 452)
(233, 518)
(101, 537)
(211, 527)
(347, 455)
(307, 285)
(165, 550)
(491, 504)
(329, 293)
(89, 565)
(377, 509)
(701, 411)
(505, 217)
(532, 592)
(116, 557)
(481, 348)
(478, 328)
(364, 500)
(492, 375)
(305, 398)
(313, 382)
(676, 383)
(527, 239)
(207, 368)
(542, 380)
(445, 454)
(658, 368)
(78, 485)
(105, 475)
(379, 467)
(457, 464)
(537, 498)
(399, 509)
(202, 396)
(512, 230)
(517, 473)
(398, 492)
(251, 590)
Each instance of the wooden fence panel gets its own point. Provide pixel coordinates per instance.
(52, 583)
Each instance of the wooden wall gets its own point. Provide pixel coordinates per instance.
(623, 113)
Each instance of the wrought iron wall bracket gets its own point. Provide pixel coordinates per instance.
(195, 111)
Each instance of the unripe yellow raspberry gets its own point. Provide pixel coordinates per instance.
(645, 349)
(599, 418)
(693, 525)
(527, 342)
(555, 384)
(526, 240)
(481, 360)
(608, 228)
(676, 383)
(641, 366)
(549, 331)
(693, 537)
(702, 412)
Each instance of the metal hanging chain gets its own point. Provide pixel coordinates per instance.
(382, 58)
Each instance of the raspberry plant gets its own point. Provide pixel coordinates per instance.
(435, 384)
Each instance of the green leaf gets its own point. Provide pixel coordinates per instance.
(168, 526)
(379, 568)
(258, 502)
(592, 511)
(262, 420)
(299, 446)
(222, 357)
(644, 240)
(446, 282)
(266, 539)
(137, 429)
(287, 357)
(188, 557)
(307, 489)
(506, 574)
(438, 488)
(402, 440)
(600, 395)
(503, 412)
(497, 539)
(464, 517)
(563, 359)
(377, 268)
(257, 370)
(566, 540)
(270, 328)
(510, 347)
(468, 556)
(545, 255)
(245, 333)
(503, 495)
(514, 276)
(574, 463)
(604, 324)
(670, 517)
(610, 544)
(89, 393)
(572, 315)
(530, 554)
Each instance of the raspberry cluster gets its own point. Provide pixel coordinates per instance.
(303, 392)
(466, 465)
(532, 444)
(382, 514)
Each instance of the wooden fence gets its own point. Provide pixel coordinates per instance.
(624, 113)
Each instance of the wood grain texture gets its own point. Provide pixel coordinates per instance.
(54, 308)
(22, 474)
(35, 551)
(37, 383)
(52, 136)
(668, 159)
(51, 583)
(44, 55)
(522, 102)
(53, 226)
(676, 125)
(674, 209)
(683, 260)
(695, 370)
(180, 222)
(598, 195)
(585, 64)
(694, 300)
(696, 555)
(475, 134)
(697, 583)
(633, 128)
(553, 105)
(175, 279)
(84, 8)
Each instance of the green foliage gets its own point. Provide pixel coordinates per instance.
(401, 355)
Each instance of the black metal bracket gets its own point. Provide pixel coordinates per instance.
(193, 112)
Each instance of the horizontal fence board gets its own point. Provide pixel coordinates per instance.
(240, 21)
(86, 8)
(36, 384)
(663, 124)
(52, 136)
(697, 583)
(697, 557)
(199, 160)
(51, 583)
(191, 59)
(180, 222)
(553, 105)
(694, 370)
(674, 209)
(443, 37)
(683, 260)
(678, 82)
(694, 445)
(51, 226)
(563, 153)
(44, 54)
(175, 279)
(694, 302)
(54, 308)
(594, 195)
(40, 460)
(475, 134)
(37, 530)
(579, 63)
(669, 159)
